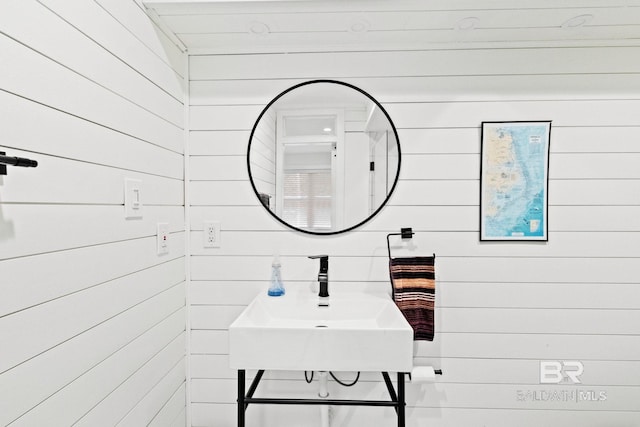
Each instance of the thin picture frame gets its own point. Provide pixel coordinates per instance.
(514, 180)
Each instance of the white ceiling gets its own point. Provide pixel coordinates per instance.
(243, 26)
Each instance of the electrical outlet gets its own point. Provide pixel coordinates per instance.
(162, 238)
(211, 234)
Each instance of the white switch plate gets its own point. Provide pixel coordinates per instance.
(211, 234)
(162, 238)
(132, 198)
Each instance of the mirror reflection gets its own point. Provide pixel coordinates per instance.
(323, 157)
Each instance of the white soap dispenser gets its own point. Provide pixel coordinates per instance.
(276, 287)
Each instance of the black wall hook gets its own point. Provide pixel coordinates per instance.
(14, 161)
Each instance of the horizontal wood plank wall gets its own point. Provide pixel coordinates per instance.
(92, 320)
(501, 307)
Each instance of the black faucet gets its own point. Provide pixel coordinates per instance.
(323, 275)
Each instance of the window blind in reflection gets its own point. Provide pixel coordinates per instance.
(307, 199)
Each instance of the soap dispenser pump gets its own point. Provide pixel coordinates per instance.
(276, 288)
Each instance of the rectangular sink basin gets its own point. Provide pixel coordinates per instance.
(356, 332)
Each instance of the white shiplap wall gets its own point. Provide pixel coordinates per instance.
(92, 320)
(502, 307)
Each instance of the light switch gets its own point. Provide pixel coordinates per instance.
(132, 198)
(162, 238)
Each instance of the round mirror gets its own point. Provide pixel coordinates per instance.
(323, 157)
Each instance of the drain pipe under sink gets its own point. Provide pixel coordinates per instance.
(323, 393)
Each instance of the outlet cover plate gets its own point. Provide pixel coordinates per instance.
(211, 234)
(162, 238)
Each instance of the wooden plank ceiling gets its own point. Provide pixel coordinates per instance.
(242, 26)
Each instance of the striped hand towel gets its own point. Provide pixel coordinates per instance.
(414, 292)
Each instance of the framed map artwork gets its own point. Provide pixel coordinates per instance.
(514, 180)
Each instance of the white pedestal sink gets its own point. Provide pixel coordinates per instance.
(356, 332)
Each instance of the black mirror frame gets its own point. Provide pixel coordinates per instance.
(395, 181)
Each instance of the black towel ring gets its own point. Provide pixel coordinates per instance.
(405, 233)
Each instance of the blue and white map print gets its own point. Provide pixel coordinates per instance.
(514, 180)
